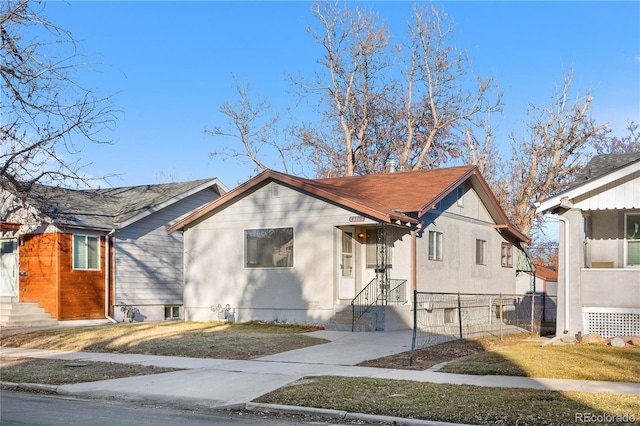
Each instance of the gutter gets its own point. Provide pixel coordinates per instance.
(566, 267)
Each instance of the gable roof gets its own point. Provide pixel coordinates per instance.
(600, 171)
(399, 197)
(112, 207)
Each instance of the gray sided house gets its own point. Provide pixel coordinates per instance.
(283, 248)
(599, 255)
(90, 254)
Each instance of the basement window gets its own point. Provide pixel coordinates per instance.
(171, 312)
(449, 315)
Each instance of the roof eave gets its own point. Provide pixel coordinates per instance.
(474, 172)
(147, 212)
(295, 183)
(554, 201)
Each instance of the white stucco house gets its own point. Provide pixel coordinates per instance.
(599, 255)
(284, 248)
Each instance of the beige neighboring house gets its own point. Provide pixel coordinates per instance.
(284, 248)
(599, 254)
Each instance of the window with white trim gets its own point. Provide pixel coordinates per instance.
(435, 245)
(481, 252)
(86, 252)
(449, 315)
(460, 195)
(506, 255)
(632, 239)
(268, 248)
(171, 312)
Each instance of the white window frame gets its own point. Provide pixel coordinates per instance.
(172, 309)
(450, 315)
(506, 259)
(247, 264)
(85, 267)
(481, 257)
(436, 245)
(460, 195)
(628, 240)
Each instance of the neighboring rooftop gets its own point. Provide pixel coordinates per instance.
(604, 164)
(546, 273)
(109, 207)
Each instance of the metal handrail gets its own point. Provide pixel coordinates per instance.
(393, 292)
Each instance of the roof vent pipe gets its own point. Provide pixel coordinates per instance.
(392, 166)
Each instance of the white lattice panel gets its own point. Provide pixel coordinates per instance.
(611, 322)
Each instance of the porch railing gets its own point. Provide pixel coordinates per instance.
(391, 292)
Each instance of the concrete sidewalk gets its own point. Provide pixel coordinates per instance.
(218, 383)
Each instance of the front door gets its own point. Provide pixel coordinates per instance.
(346, 261)
(8, 268)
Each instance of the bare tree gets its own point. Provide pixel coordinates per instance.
(440, 107)
(256, 127)
(481, 150)
(419, 113)
(545, 253)
(543, 162)
(625, 144)
(355, 58)
(47, 115)
(411, 102)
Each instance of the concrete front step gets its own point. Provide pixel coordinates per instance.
(370, 321)
(24, 315)
(377, 318)
(21, 306)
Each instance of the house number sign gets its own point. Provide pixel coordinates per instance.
(356, 219)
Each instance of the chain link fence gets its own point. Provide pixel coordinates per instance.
(441, 317)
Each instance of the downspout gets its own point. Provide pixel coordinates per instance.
(414, 255)
(414, 273)
(566, 268)
(107, 267)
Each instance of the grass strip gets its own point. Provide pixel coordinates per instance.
(64, 372)
(455, 403)
(579, 362)
(187, 339)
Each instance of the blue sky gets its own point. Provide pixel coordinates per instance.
(170, 65)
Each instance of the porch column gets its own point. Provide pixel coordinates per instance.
(570, 323)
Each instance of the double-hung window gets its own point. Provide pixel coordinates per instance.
(435, 245)
(268, 248)
(86, 252)
(632, 237)
(506, 255)
(481, 252)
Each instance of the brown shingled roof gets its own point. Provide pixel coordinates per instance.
(401, 191)
(387, 197)
(545, 273)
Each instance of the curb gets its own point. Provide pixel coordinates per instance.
(30, 386)
(254, 406)
(337, 414)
